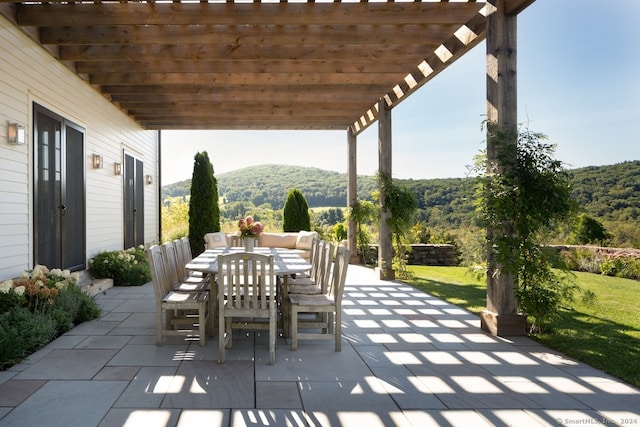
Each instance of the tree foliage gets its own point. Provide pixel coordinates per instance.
(530, 194)
(401, 204)
(587, 230)
(296, 212)
(204, 212)
(609, 194)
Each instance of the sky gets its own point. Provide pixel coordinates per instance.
(578, 84)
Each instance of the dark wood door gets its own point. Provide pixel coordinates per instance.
(133, 202)
(59, 192)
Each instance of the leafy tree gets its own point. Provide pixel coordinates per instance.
(296, 212)
(589, 230)
(529, 194)
(339, 232)
(204, 212)
(363, 212)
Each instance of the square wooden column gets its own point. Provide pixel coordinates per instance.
(501, 316)
(385, 248)
(352, 195)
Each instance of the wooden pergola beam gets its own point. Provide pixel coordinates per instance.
(95, 14)
(244, 34)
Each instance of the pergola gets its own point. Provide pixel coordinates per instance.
(304, 65)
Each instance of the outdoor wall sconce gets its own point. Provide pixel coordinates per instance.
(15, 134)
(117, 168)
(147, 179)
(96, 160)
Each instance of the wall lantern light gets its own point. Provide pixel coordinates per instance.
(15, 134)
(147, 179)
(117, 168)
(96, 160)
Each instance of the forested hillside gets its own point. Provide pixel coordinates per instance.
(610, 194)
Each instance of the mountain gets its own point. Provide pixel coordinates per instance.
(609, 193)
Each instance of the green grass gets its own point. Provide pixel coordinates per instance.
(605, 335)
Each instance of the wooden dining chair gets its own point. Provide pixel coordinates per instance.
(174, 308)
(329, 304)
(318, 282)
(246, 292)
(177, 274)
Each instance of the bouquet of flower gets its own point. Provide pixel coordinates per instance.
(249, 228)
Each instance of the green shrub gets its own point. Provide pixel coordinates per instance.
(38, 306)
(625, 267)
(23, 332)
(126, 268)
(79, 306)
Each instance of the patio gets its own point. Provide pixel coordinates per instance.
(408, 359)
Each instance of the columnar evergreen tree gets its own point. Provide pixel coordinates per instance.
(204, 212)
(296, 212)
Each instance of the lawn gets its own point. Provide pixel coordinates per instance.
(605, 335)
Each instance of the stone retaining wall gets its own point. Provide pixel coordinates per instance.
(602, 250)
(428, 254)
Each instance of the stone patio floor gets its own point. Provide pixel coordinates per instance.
(407, 359)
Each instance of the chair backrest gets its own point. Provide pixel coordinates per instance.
(170, 262)
(186, 249)
(325, 273)
(314, 256)
(215, 240)
(158, 275)
(339, 276)
(248, 279)
(181, 261)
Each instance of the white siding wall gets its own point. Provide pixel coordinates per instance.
(29, 74)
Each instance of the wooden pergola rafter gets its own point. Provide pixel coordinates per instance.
(254, 65)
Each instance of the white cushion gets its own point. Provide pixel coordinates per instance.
(278, 240)
(305, 239)
(216, 240)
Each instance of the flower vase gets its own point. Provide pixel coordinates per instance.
(248, 244)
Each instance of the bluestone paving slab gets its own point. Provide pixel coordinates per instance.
(277, 394)
(204, 418)
(126, 417)
(68, 364)
(140, 320)
(115, 373)
(14, 392)
(66, 341)
(314, 363)
(407, 390)
(149, 355)
(450, 418)
(206, 385)
(104, 342)
(148, 388)
(268, 417)
(66, 403)
(93, 327)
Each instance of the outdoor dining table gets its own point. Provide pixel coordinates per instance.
(286, 262)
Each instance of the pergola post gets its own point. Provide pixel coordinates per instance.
(352, 195)
(385, 250)
(501, 316)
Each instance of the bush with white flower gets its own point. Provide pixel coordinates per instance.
(35, 288)
(37, 307)
(126, 268)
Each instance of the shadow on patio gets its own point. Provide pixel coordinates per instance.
(408, 359)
